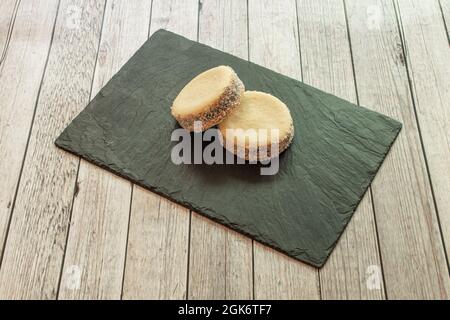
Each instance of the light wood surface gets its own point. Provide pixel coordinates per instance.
(412, 252)
(428, 65)
(36, 241)
(71, 230)
(445, 8)
(8, 8)
(158, 245)
(21, 72)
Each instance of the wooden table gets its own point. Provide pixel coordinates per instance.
(70, 230)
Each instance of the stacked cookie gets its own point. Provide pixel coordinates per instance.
(253, 125)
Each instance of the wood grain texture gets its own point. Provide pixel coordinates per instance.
(157, 253)
(278, 276)
(34, 249)
(157, 256)
(8, 13)
(97, 237)
(445, 8)
(220, 263)
(327, 65)
(412, 252)
(99, 226)
(428, 60)
(223, 25)
(176, 16)
(220, 259)
(273, 36)
(20, 78)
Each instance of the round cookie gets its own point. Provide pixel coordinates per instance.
(252, 123)
(209, 98)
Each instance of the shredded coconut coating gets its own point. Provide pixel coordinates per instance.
(265, 154)
(217, 111)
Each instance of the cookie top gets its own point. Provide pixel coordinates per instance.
(261, 113)
(203, 91)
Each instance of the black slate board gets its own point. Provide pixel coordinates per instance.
(301, 211)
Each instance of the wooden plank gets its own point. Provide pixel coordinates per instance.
(157, 253)
(273, 35)
(445, 8)
(35, 245)
(413, 256)
(99, 225)
(428, 62)
(220, 263)
(20, 78)
(157, 256)
(327, 65)
(8, 13)
(223, 25)
(176, 16)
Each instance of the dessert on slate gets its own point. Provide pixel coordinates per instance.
(258, 110)
(259, 121)
(209, 98)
